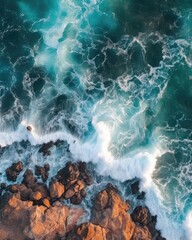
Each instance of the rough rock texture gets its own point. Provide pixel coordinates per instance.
(43, 172)
(56, 189)
(141, 233)
(141, 215)
(21, 220)
(110, 212)
(88, 231)
(31, 210)
(13, 171)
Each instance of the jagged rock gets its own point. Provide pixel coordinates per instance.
(84, 173)
(141, 196)
(135, 187)
(21, 220)
(69, 193)
(42, 171)
(75, 213)
(42, 188)
(28, 178)
(13, 171)
(35, 196)
(141, 215)
(14, 188)
(13, 218)
(141, 233)
(56, 189)
(46, 202)
(76, 198)
(87, 231)
(45, 148)
(68, 174)
(11, 175)
(110, 212)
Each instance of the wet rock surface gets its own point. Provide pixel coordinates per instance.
(36, 208)
(13, 171)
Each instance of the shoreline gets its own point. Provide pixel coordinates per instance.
(40, 200)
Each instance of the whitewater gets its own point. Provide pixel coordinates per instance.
(112, 80)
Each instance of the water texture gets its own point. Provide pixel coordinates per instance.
(111, 78)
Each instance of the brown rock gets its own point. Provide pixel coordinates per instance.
(18, 167)
(13, 218)
(46, 202)
(42, 171)
(29, 128)
(75, 213)
(135, 187)
(45, 148)
(141, 233)
(14, 188)
(13, 171)
(88, 231)
(28, 178)
(84, 174)
(46, 224)
(110, 212)
(76, 198)
(35, 196)
(56, 189)
(42, 188)
(21, 220)
(69, 173)
(141, 215)
(69, 193)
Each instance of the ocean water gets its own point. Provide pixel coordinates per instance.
(113, 79)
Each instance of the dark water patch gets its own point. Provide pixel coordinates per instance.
(154, 53)
(169, 23)
(7, 102)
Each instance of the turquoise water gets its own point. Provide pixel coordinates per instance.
(115, 76)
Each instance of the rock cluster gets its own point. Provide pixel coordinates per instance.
(13, 171)
(36, 210)
(69, 184)
(110, 220)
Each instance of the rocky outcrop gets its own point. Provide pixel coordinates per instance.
(110, 212)
(109, 218)
(22, 220)
(35, 210)
(88, 231)
(56, 189)
(141, 215)
(42, 172)
(75, 178)
(13, 171)
(141, 233)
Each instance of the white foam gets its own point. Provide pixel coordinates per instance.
(139, 164)
(188, 226)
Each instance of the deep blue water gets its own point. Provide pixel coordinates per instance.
(114, 75)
